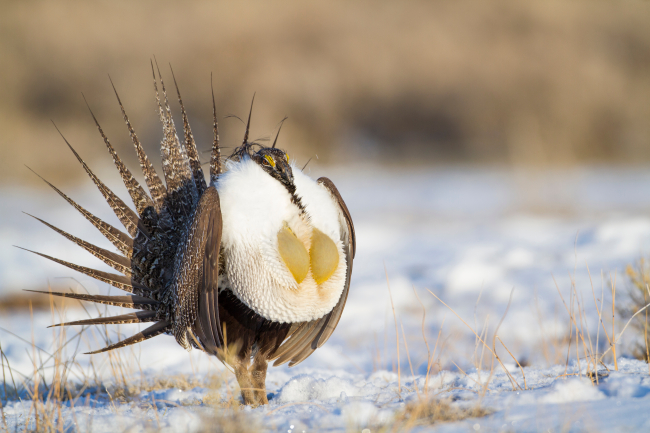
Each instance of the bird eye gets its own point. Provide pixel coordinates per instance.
(268, 161)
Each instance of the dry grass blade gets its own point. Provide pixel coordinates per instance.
(435, 347)
(477, 336)
(3, 358)
(590, 353)
(399, 370)
(645, 331)
(614, 320)
(618, 338)
(544, 343)
(494, 349)
(2, 415)
(515, 359)
(638, 275)
(408, 356)
(424, 335)
(599, 310)
(579, 333)
(566, 367)
(467, 375)
(153, 400)
(430, 355)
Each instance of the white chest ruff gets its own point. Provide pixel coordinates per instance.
(254, 209)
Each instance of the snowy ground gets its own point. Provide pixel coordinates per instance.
(462, 233)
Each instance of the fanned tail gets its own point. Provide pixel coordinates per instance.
(155, 228)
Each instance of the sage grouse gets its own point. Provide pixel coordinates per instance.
(253, 267)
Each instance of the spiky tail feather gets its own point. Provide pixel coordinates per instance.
(139, 317)
(152, 331)
(154, 229)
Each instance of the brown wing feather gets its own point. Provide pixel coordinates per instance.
(311, 343)
(312, 335)
(352, 241)
(197, 287)
(296, 344)
(294, 336)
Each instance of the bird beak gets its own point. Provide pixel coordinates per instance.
(285, 171)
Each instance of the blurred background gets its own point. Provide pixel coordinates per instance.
(472, 140)
(506, 82)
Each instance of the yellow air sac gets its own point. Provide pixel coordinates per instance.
(324, 256)
(294, 254)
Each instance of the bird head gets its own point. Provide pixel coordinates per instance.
(276, 163)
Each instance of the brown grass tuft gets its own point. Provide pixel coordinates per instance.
(126, 393)
(230, 421)
(638, 276)
(435, 411)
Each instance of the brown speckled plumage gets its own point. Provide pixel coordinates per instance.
(155, 185)
(171, 259)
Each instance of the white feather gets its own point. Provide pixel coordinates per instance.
(254, 207)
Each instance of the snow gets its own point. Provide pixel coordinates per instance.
(468, 234)
(572, 390)
(322, 402)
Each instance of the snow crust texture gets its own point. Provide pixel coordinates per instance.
(339, 401)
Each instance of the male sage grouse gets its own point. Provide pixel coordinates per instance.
(253, 267)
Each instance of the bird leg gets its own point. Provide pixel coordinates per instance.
(252, 381)
(244, 379)
(258, 377)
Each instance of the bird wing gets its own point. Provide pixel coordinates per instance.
(309, 336)
(201, 261)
